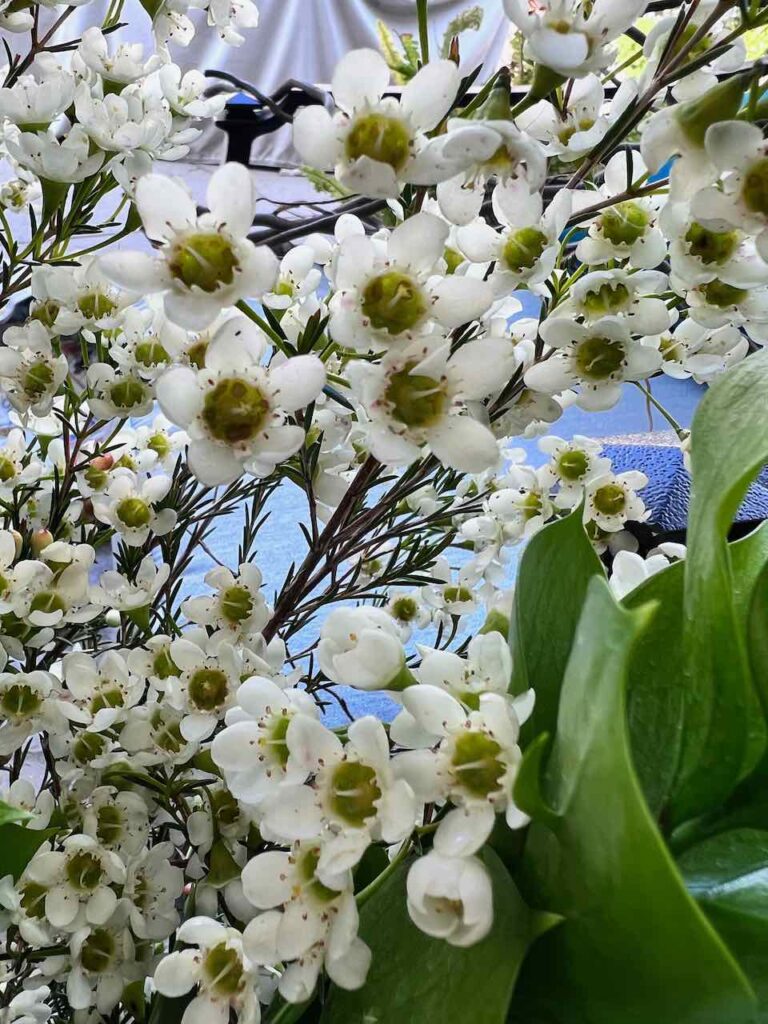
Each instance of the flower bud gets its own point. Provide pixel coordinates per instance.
(41, 539)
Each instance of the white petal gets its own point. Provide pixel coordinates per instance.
(260, 938)
(435, 711)
(176, 973)
(231, 198)
(268, 879)
(418, 242)
(137, 271)
(457, 300)
(458, 203)
(464, 444)
(165, 206)
(360, 78)
(464, 830)
(316, 137)
(311, 745)
(428, 96)
(298, 381)
(732, 143)
(213, 464)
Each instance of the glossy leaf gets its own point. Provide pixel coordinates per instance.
(729, 445)
(634, 947)
(18, 845)
(655, 704)
(555, 570)
(12, 815)
(415, 979)
(728, 876)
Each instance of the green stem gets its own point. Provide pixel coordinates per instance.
(273, 336)
(678, 429)
(290, 1012)
(421, 10)
(365, 894)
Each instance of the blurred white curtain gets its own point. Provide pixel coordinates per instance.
(304, 39)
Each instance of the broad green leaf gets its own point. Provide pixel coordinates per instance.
(728, 876)
(634, 947)
(415, 979)
(555, 569)
(655, 688)
(18, 846)
(10, 815)
(729, 445)
(749, 559)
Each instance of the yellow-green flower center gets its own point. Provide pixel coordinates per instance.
(151, 353)
(624, 224)
(711, 246)
(393, 302)
(94, 305)
(755, 188)
(235, 410)
(307, 866)
(7, 469)
(84, 871)
(572, 465)
(599, 358)
(453, 594)
(381, 138)
(160, 444)
(476, 764)
(354, 792)
(96, 478)
(109, 825)
(225, 808)
(134, 513)
(236, 604)
(87, 746)
(523, 247)
(47, 601)
(163, 665)
(405, 609)
(98, 951)
(196, 353)
(166, 733)
(274, 741)
(32, 896)
(205, 260)
(223, 970)
(415, 399)
(208, 689)
(453, 259)
(718, 293)
(46, 312)
(610, 297)
(127, 394)
(107, 698)
(610, 499)
(38, 378)
(20, 701)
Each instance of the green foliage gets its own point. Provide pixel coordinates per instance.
(728, 876)
(730, 443)
(655, 697)
(555, 570)
(403, 61)
(467, 21)
(12, 815)
(18, 846)
(323, 182)
(450, 985)
(634, 945)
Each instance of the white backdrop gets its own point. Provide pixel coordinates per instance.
(304, 39)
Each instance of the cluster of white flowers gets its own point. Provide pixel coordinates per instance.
(199, 822)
